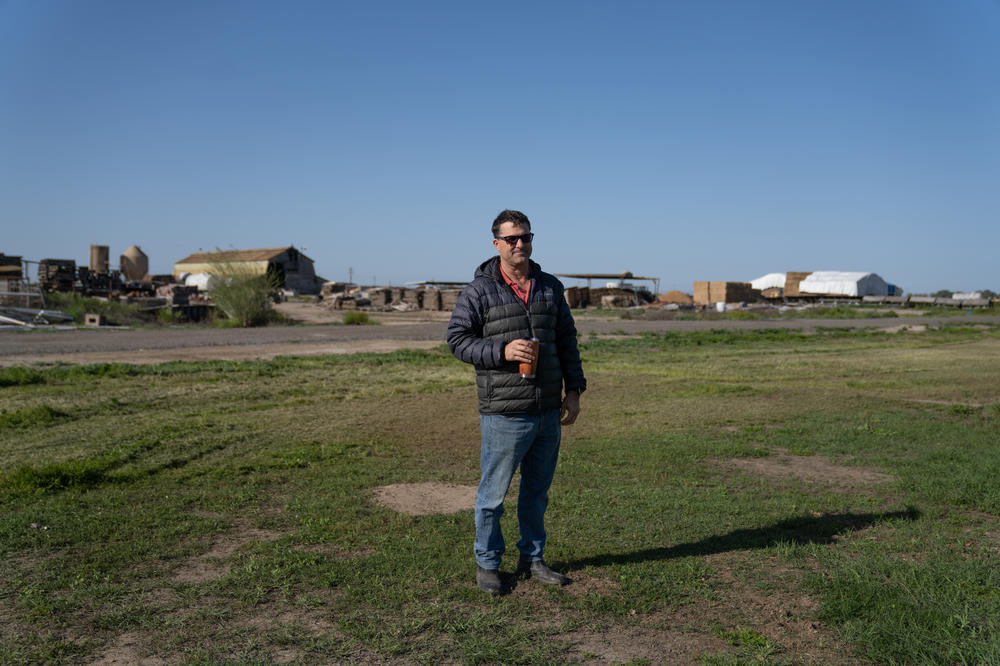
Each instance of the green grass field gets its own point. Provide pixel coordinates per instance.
(726, 498)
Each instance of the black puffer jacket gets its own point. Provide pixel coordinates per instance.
(488, 315)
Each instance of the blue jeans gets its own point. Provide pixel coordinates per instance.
(509, 440)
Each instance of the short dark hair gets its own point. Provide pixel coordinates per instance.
(515, 216)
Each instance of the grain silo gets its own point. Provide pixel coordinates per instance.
(99, 258)
(134, 263)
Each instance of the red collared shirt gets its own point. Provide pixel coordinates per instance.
(520, 293)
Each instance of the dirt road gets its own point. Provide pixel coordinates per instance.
(319, 335)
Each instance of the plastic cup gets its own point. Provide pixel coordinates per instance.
(528, 369)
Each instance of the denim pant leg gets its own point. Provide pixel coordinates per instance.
(537, 469)
(505, 440)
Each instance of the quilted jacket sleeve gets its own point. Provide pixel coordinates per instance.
(465, 332)
(569, 353)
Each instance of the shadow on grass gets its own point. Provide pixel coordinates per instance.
(798, 530)
(91, 473)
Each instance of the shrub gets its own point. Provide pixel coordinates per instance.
(77, 306)
(31, 416)
(355, 318)
(242, 294)
(20, 376)
(168, 315)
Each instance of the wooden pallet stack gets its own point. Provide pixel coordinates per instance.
(379, 296)
(432, 299)
(578, 297)
(449, 297)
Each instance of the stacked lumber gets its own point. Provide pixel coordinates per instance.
(976, 303)
(432, 299)
(331, 289)
(342, 302)
(577, 297)
(350, 302)
(449, 297)
(622, 297)
(724, 292)
(737, 292)
(379, 296)
(887, 300)
(615, 301)
(792, 280)
(701, 293)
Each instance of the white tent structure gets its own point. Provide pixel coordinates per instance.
(769, 281)
(844, 283)
(203, 281)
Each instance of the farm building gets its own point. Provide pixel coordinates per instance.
(851, 284)
(293, 269)
(844, 283)
(769, 281)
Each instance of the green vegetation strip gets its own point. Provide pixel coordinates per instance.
(726, 498)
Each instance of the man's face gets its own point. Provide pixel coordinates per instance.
(520, 251)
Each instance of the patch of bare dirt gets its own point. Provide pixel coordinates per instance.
(127, 650)
(286, 655)
(781, 465)
(8, 626)
(770, 604)
(584, 583)
(334, 551)
(738, 428)
(268, 618)
(948, 403)
(212, 564)
(908, 328)
(642, 643)
(656, 638)
(415, 499)
(208, 515)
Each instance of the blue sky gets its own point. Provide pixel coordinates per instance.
(710, 140)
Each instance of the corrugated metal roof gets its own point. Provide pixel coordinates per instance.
(227, 256)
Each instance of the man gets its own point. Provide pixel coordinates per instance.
(510, 301)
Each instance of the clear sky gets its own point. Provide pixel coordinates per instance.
(701, 140)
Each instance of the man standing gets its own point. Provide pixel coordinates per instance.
(509, 302)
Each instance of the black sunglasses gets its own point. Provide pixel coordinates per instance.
(512, 240)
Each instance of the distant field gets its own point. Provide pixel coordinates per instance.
(727, 497)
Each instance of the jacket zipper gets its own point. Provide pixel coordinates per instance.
(531, 330)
